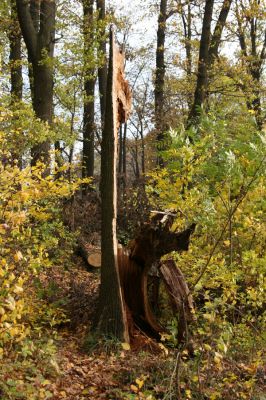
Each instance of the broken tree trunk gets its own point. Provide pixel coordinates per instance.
(139, 263)
(112, 319)
(153, 242)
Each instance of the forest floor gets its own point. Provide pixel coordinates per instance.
(89, 370)
(109, 370)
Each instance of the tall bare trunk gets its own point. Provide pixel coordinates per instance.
(37, 23)
(160, 118)
(15, 55)
(16, 79)
(202, 78)
(102, 70)
(218, 30)
(254, 55)
(89, 87)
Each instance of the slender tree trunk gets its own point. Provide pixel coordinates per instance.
(202, 78)
(160, 120)
(142, 148)
(187, 30)
(15, 56)
(186, 21)
(112, 319)
(43, 107)
(102, 70)
(254, 58)
(89, 88)
(136, 156)
(35, 17)
(218, 30)
(16, 80)
(37, 23)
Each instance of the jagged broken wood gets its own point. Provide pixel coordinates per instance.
(139, 261)
(154, 241)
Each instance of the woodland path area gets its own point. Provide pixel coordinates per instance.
(100, 374)
(107, 370)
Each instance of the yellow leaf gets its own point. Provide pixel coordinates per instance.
(10, 303)
(18, 289)
(134, 388)
(125, 346)
(18, 256)
(140, 383)
(46, 382)
(217, 358)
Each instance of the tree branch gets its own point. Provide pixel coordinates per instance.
(26, 24)
(218, 30)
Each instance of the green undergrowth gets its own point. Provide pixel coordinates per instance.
(33, 239)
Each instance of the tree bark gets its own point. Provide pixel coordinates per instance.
(187, 28)
(160, 118)
(124, 161)
(218, 30)
(188, 40)
(102, 70)
(254, 57)
(16, 79)
(37, 25)
(89, 88)
(15, 56)
(112, 320)
(202, 77)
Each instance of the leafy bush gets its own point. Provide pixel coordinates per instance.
(32, 239)
(218, 181)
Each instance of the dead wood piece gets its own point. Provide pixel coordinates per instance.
(91, 254)
(153, 242)
(177, 287)
(149, 316)
(95, 260)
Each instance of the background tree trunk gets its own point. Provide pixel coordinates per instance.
(202, 78)
(89, 88)
(15, 56)
(39, 39)
(218, 30)
(102, 70)
(160, 121)
(254, 54)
